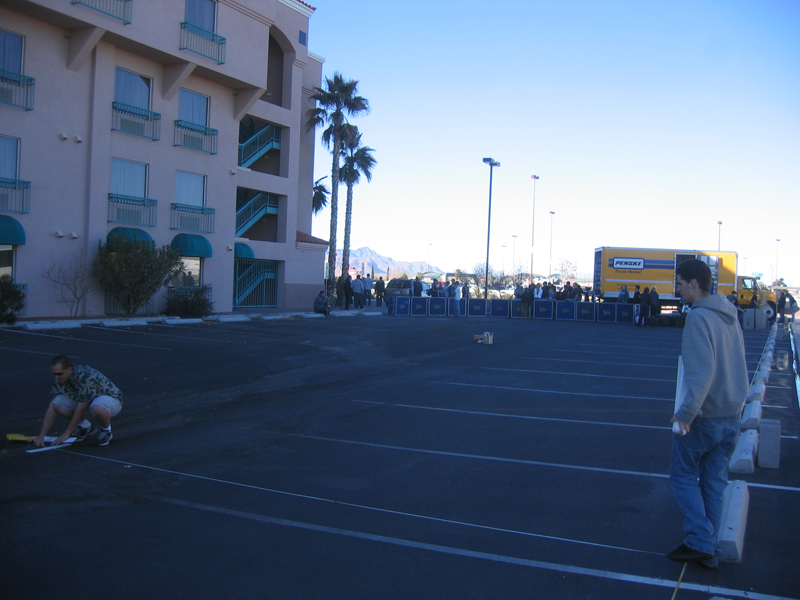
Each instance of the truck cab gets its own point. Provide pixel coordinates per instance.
(747, 286)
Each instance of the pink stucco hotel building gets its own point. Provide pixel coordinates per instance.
(179, 121)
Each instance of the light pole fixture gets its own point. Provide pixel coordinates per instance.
(550, 266)
(719, 236)
(777, 241)
(533, 221)
(492, 164)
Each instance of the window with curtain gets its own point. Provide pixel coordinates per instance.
(193, 107)
(202, 13)
(132, 89)
(10, 52)
(6, 260)
(9, 151)
(190, 188)
(128, 178)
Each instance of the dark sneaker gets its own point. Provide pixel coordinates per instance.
(103, 437)
(80, 433)
(685, 554)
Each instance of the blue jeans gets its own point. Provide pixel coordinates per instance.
(699, 474)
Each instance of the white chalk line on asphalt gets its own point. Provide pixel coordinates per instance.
(519, 389)
(80, 339)
(673, 366)
(508, 416)
(513, 560)
(369, 508)
(573, 374)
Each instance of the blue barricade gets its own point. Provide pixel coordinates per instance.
(419, 307)
(454, 308)
(607, 312)
(625, 313)
(476, 307)
(516, 310)
(543, 309)
(565, 310)
(584, 311)
(390, 305)
(500, 308)
(402, 306)
(437, 307)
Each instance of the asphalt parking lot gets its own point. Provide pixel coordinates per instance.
(375, 458)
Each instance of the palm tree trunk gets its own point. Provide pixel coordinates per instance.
(348, 219)
(337, 144)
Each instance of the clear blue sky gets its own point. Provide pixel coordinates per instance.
(647, 121)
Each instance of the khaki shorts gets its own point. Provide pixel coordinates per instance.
(112, 405)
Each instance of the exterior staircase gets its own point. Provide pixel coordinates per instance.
(259, 144)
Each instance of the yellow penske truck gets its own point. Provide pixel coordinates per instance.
(648, 267)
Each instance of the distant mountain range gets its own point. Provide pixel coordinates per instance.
(365, 260)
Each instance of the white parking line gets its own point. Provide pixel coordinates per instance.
(572, 374)
(518, 389)
(371, 537)
(602, 362)
(507, 416)
(79, 339)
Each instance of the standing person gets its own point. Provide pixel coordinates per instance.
(715, 380)
(417, 287)
(358, 292)
(644, 306)
(380, 290)
(348, 292)
(84, 396)
(464, 296)
(368, 283)
(655, 302)
(636, 295)
(791, 306)
(623, 296)
(457, 292)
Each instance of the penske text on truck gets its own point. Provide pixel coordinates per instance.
(648, 267)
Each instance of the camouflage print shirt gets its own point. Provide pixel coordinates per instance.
(86, 384)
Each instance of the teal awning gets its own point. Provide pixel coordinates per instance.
(243, 251)
(189, 244)
(131, 233)
(11, 232)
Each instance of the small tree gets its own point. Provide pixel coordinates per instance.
(12, 300)
(72, 280)
(134, 270)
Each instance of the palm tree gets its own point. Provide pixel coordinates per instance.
(358, 161)
(320, 198)
(335, 103)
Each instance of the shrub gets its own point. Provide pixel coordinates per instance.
(192, 304)
(12, 300)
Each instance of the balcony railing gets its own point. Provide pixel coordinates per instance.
(15, 195)
(192, 218)
(136, 121)
(16, 89)
(205, 43)
(119, 9)
(132, 210)
(196, 137)
(113, 306)
(181, 290)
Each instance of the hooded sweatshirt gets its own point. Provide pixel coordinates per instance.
(715, 371)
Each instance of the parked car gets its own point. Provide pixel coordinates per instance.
(404, 287)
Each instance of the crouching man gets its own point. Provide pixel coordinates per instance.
(86, 398)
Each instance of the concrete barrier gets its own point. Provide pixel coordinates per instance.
(743, 459)
(51, 325)
(751, 417)
(756, 391)
(736, 502)
(228, 318)
(769, 446)
(122, 322)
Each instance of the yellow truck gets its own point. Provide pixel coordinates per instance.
(646, 267)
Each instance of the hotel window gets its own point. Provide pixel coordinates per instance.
(202, 13)
(10, 52)
(190, 188)
(9, 155)
(193, 108)
(132, 89)
(128, 178)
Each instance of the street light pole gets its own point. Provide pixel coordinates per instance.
(550, 267)
(719, 236)
(492, 164)
(504, 264)
(777, 241)
(533, 221)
